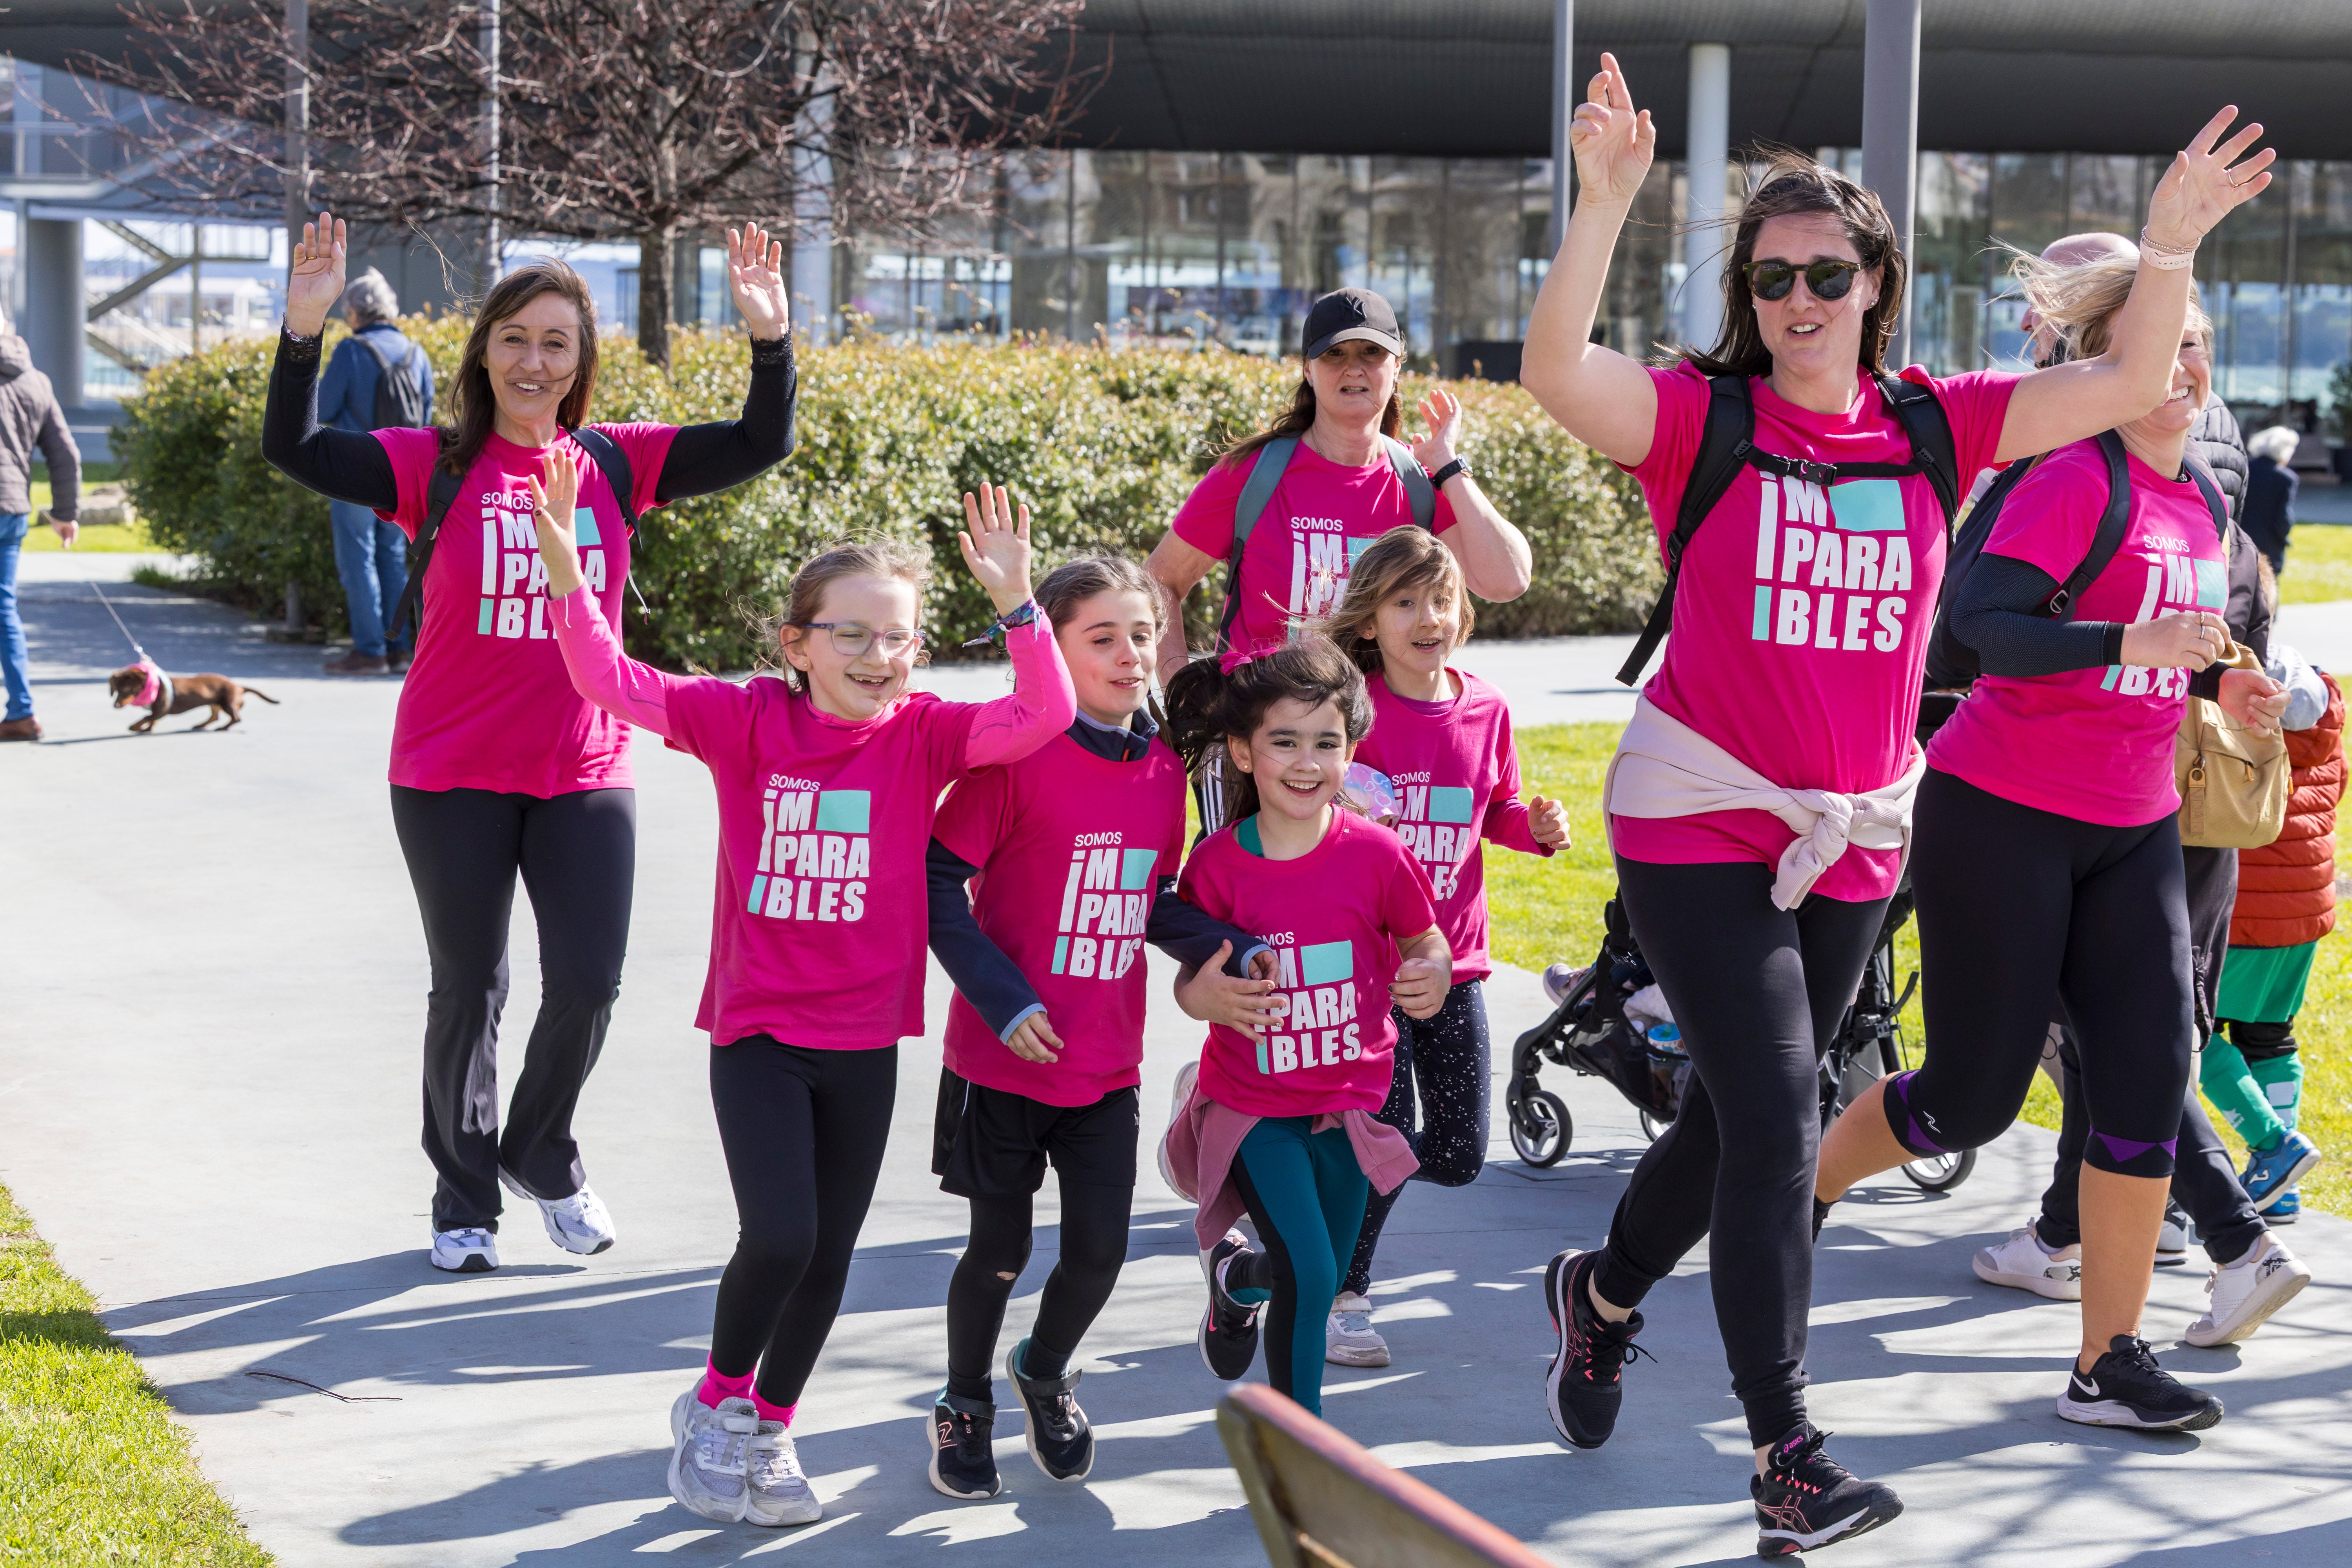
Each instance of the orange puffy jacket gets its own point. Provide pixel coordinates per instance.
(2286, 889)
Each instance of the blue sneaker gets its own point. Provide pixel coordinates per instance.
(2287, 1210)
(2271, 1175)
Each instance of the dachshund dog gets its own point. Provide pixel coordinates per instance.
(170, 694)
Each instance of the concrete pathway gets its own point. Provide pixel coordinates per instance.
(208, 1101)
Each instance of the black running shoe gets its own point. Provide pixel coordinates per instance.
(1583, 1390)
(1805, 1498)
(1059, 1438)
(963, 1463)
(2125, 1387)
(1228, 1329)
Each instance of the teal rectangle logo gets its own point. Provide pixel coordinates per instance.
(1762, 631)
(1449, 806)
(1356, 547)
(1868, 506)
(1135, 870)
(2212, 586)
(1326, 964)
(489, 607)
(1061, 953)
(583, 526)
(759, 890)
(844, 810)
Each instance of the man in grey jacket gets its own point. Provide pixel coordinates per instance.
(370, 554)
(29, 418)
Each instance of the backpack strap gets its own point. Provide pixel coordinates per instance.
(1922, 416)
(1265, 473)
(2110, 537)
(1728, 444)
(439, 498)
(2210, 488)
(618, 476)
(1418, 490)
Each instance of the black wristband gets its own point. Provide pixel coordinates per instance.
(1458, 465)
(2114, 645)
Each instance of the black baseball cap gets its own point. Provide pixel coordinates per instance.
(1351, 315)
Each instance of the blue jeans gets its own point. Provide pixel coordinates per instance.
(372, 558)
(15, 660)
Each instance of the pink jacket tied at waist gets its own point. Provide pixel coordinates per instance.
(1206, 1137)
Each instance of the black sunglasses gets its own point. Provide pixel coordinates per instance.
(1828, 279)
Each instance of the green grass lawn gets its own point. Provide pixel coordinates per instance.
(2319, 565)
(100, 541)
(91, 1469)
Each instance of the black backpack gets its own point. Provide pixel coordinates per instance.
(399, 399)
(1729, 445)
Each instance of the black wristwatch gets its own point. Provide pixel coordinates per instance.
(1458, 465)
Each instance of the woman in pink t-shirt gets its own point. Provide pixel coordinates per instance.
(2048, 856)
(1443, 738)
(827, 784)
(1772, 755)
(498, 766)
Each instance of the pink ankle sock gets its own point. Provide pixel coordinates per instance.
(716, 1385)
(770, 1411)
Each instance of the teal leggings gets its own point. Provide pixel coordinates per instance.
(1306, 1194)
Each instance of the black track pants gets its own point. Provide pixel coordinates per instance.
(578, 856)
(1757, 992)
(2020, 908)
(1093, 1250)
(1446, 1060)
(803, 1130)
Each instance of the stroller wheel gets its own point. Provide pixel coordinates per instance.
(1941, 1173)
(1541, 1129)
(1651, 1127)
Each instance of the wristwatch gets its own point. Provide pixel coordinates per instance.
(1458, 465)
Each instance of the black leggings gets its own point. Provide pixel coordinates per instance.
(1446, 1060)
(803, 1130)
(2020, 908)
(1758, 993)
(1094, 1248)
(578, 856)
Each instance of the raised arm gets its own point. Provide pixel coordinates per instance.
(632, 692)
(1597, 396)
(341, 464)
(704, 458)
(1175, 568)
(1496, 563)
(994, 542)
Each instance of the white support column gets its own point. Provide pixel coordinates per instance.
(812, 258)
(1890, 129)
(1708, 149)
(55, 313)
(1565, 97)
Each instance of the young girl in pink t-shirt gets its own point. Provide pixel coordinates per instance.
(827, 781)
(1279, 1122)
(1444, 740)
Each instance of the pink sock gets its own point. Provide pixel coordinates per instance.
(770, 1411)
(716, 1385)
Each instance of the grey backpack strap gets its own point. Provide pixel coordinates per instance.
(1417, 488)
(1265, 473)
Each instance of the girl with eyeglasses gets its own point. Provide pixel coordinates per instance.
(1760, 803)
(827, 780)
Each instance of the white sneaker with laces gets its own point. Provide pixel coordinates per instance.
(709, 1461)
(780, 1491)
(1349, 1337)
(1181, 1092)
(2248, 1291)
(2021, 1264)
(468, 1249)
(577, 1224)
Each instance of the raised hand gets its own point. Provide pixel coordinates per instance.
(1246, 1006)
(995, 544)
(1548, 821)
(1442, 412)
(315, 281)
(2206, 180)
(1033, 1041)
(755, 273)
(551, 505)
(1614, 145)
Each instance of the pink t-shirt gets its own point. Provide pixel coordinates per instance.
(1070, 847)
(1802, 618)
(1295, 567)
(487, 704)
(2091, 745)
(1458, 780)
(1334, 918)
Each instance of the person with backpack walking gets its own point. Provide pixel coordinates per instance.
(377, 379)
(1759, 801)
(500, 768)
(2047, 856)
(30, 419)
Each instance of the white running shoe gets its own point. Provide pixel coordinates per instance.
(1349, 1337)
(2247, 1292)
(577, 1224)
(780, 1491)
(2173, 1237)
(2021, 1264)
(709, 1461)
(468, 1249)
(1177, 1099)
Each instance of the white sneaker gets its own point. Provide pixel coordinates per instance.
(1349, 1337)
(1178, 1097)
(2173, 1237)
(469, 1249)
(709, 1460)
(576, 1223)
(780, 1493)
(2021, 1264)
(2248, 1291)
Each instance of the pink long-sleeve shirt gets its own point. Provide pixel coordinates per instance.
(820, 914)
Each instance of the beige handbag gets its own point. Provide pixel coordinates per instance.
(2233, 781)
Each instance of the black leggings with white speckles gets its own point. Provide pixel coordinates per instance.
(1444, 1059)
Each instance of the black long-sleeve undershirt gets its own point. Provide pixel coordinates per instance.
(1993, 612)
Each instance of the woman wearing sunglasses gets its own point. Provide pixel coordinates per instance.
(1760, 802)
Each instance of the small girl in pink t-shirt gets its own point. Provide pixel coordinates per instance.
(827, 783)
(1279, 1121)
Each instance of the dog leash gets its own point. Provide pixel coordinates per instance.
(118, 622)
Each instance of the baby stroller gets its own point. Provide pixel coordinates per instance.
(1590, 1033)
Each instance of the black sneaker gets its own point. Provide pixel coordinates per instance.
(1583, 1390)
(1805, 1498)
(1228, 1329)
(2125, 1387)
(963, 1465)
(1059, 1438)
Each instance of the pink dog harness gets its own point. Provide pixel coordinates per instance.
(158, 686)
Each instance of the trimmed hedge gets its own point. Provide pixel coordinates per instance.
(1104, 445)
